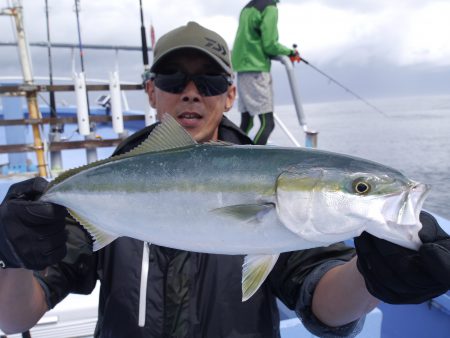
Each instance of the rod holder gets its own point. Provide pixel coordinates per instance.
(311, 138)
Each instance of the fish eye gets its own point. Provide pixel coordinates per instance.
(361, 187)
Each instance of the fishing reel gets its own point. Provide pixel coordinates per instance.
(295, 55)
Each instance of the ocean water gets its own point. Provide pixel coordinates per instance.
(413, 136)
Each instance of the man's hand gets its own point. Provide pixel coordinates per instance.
(32, 233)
(398, 275)
(295, 56)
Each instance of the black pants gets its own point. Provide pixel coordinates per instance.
(266, 128)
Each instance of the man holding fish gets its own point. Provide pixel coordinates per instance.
(188, 242)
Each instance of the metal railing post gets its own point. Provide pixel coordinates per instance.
(310, 135)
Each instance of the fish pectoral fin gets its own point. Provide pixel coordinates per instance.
(101, 238)
(255, 270)
(246, 212)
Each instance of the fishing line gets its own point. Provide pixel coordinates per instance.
(345, 88)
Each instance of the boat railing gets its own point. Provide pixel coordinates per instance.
(55, 144)
(23, 89)
(310, 135)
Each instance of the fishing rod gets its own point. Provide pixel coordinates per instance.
(80, 46)
(56, 129)
(50, 66)
(150, 116)
(84, 126)
(298, 58)
(143, 40)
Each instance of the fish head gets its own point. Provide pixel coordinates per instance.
(331, 204)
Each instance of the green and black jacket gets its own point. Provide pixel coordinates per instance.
(189, 294)
(256, 40)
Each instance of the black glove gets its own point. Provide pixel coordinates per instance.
(397, 275)
(32, 233)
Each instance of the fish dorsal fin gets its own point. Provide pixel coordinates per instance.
(101, 238)
(167, 135)
(255, 270)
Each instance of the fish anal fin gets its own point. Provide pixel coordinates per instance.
(255, 270)
(246, 212)
(101, 238)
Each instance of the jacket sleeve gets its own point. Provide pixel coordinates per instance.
(269, 33)
(295, 277)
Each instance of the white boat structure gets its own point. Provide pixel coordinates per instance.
(36, 140)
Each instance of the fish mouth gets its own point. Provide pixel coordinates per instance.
(402, 211)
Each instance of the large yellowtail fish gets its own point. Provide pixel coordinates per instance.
(220, 198)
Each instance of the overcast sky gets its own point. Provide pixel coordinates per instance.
(375, 47)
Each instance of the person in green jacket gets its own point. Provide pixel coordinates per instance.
(255, 44)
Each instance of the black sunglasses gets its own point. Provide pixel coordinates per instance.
(207, 85)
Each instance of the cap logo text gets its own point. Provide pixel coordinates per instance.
(214, 45)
